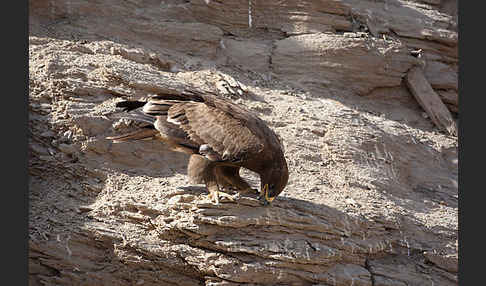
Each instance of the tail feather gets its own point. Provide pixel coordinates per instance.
(160, 102)
(186, 95)
(129, 105)
(135, 115)
(141, 134)
(156, 107)
(154, 111)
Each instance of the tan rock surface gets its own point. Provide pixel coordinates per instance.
(430, 100)
(372, 197)
(338, 61)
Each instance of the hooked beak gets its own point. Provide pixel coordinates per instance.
(263, 197)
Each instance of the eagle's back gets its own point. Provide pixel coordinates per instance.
(235, 133)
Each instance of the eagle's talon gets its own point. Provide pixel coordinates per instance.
(214, 196)
(264, 198)
(263, 201)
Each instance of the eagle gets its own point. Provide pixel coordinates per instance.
(220, 136)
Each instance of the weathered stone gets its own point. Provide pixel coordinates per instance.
(348, 275)
(145, 23)
(448, 263)
(242, 16)
(400, 271)
(337, 62)
(440, 75)
(193, 38)
(250, 54)
(405, 19)
(430, 101)
(450, 98)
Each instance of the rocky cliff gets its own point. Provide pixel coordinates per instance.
(372, 197)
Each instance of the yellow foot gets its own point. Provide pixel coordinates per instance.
(215, 195)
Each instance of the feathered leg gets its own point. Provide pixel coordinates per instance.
(201, 170)
(141, 134)
(230, 176)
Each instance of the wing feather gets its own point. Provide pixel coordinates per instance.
(225, 133)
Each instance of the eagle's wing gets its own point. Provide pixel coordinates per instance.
(229, 130)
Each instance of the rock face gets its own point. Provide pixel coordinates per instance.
(289, 17)
(372, 197)
(430, 101)
(338, 61)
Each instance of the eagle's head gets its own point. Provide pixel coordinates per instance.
(273, 182)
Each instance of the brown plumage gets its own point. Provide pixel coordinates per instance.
(220, 136)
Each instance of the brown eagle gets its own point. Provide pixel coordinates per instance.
(220, 136)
